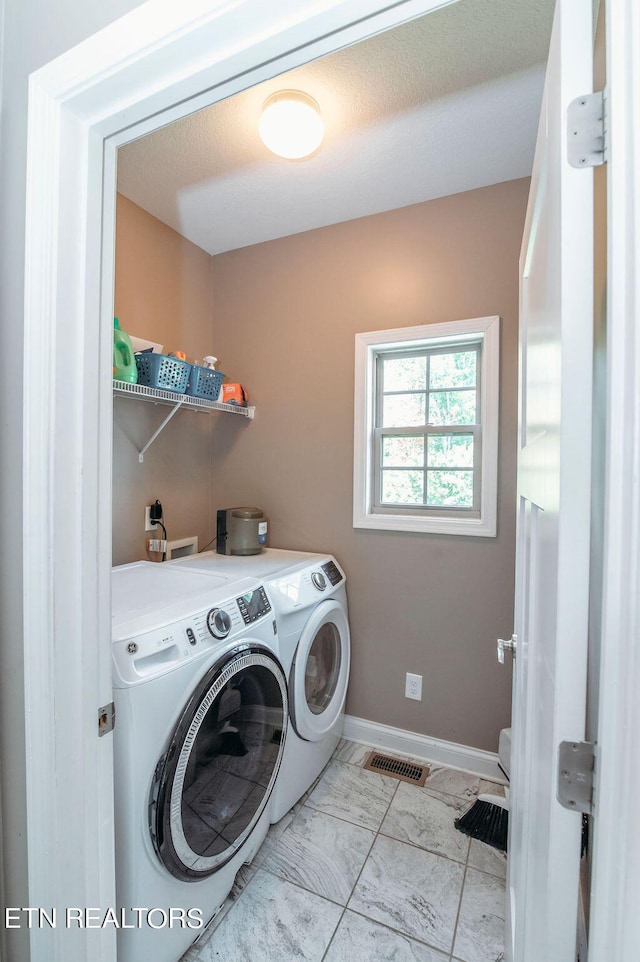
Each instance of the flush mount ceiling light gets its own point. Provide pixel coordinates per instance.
(291, 125)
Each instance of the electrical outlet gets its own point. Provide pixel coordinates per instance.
(149, 525)
(413, 687)
(156, 544)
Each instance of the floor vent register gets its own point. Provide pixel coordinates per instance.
(396, 768)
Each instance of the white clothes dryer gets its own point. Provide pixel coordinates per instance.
(309, 595)
(313, 619)
(201, 715)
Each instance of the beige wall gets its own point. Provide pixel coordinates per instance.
(163, 293)
(163, 283)
(285, 317)
(282, 321)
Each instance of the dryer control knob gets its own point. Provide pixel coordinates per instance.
(319, 580)
(218, 623)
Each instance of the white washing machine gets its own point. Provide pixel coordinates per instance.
(201, 718)
(309, 594)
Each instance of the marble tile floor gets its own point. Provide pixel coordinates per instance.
(366, 868)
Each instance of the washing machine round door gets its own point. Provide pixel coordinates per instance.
(213, 782)
(320, 672)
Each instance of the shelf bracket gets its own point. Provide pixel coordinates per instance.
(176, 401)
(160, 429)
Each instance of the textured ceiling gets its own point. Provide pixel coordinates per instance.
(442, 104)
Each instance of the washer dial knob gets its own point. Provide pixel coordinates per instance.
(218, 623)
(319, 580)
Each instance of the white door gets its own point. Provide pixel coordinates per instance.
(552, 569)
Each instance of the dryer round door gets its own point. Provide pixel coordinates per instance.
(320, 672)
(213, 783)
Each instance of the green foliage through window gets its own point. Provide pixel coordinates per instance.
(428, 390)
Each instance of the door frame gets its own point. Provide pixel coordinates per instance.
(147, 69)
(614, 925)
(156, 64)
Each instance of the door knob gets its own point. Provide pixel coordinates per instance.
(507, 645)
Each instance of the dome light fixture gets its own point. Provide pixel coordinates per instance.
(291, 125)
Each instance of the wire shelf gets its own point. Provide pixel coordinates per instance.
(175, 401)
(159, 396)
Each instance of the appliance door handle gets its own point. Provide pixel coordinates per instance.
(507, 645)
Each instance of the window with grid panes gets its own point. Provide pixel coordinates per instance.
(427, 435)
(430, 397)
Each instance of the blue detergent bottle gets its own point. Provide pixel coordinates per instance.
(124, 361)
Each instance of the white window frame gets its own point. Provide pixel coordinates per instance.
(368, 347)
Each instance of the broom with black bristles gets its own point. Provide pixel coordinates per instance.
(487, 820)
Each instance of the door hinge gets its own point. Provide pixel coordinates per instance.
(575, 776)
(587, 134)
(106, 719)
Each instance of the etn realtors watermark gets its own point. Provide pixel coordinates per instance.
(95, 918)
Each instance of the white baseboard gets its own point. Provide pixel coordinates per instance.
(414, 745)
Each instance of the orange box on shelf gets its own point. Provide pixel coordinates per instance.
(233, 393)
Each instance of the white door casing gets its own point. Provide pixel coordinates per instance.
(130, 79)
(614, 929)
(554, 463)
(155, 65)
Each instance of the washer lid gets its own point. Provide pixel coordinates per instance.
(149, 592)
(266, 564)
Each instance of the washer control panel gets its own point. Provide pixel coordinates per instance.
(327, 572)
(303, 586)
(332, 572)
(253, 605)
(147, 654)
(319, 580)
(218, 623)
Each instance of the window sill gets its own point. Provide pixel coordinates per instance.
(467, 527)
